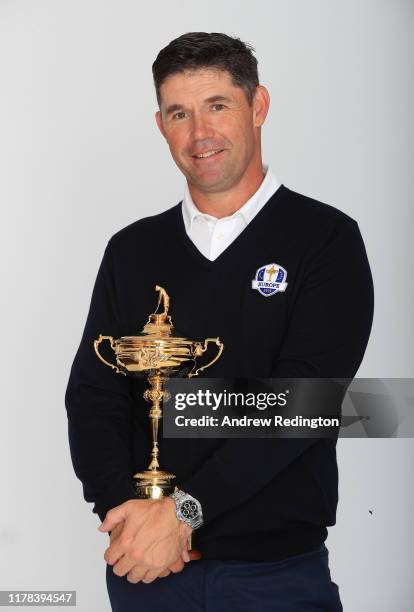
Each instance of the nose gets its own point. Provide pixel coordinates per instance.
(200, 126)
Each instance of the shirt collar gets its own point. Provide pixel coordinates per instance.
(249, 209)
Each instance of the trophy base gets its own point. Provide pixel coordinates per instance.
(154, 484)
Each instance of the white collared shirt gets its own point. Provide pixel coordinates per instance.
(211, 235)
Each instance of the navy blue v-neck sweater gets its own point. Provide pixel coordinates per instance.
(262, 499)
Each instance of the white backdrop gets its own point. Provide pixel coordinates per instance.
(81, 157)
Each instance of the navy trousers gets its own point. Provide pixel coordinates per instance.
(301, 583)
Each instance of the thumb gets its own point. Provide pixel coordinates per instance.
(113, 517)
(185, 556)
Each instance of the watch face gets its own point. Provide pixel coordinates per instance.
(189, 509)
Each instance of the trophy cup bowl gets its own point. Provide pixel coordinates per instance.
(157, 354)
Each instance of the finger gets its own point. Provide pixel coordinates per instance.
(125, 565)
(164, 573)
(114, 516)
(115, 533)
(177, 566)
(116, 551)
(184, 555)
(136, 574)
(122, 545)
(150, 576)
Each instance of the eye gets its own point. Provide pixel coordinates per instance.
(178, 115)
(221, 106)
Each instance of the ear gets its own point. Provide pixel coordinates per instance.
(158, 119)
(261, 103)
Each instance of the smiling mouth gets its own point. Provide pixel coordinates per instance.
(207, 154)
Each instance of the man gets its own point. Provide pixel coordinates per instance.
(264, 505)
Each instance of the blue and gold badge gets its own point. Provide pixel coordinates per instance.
(270, 279)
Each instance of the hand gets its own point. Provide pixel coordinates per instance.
(151, 541)
(176, 567)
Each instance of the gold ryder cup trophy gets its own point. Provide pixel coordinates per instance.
(157, 354)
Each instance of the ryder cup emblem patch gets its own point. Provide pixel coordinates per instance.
(270, 279)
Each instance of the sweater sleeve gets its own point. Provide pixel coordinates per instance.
(99, 405)
(327, 334)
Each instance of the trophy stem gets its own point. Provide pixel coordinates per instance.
(156, 395)
(153, 482)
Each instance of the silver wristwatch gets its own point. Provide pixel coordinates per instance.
(187, 508)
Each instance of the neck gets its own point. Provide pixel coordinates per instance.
(225, 203)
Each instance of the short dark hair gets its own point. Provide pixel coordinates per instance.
(196, 50)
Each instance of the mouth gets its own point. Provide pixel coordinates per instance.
(207, 156)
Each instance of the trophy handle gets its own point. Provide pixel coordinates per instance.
(198, 350)
(96, 343)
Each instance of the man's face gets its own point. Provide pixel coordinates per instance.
(203, 113)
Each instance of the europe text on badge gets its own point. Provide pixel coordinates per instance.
(269, 279)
